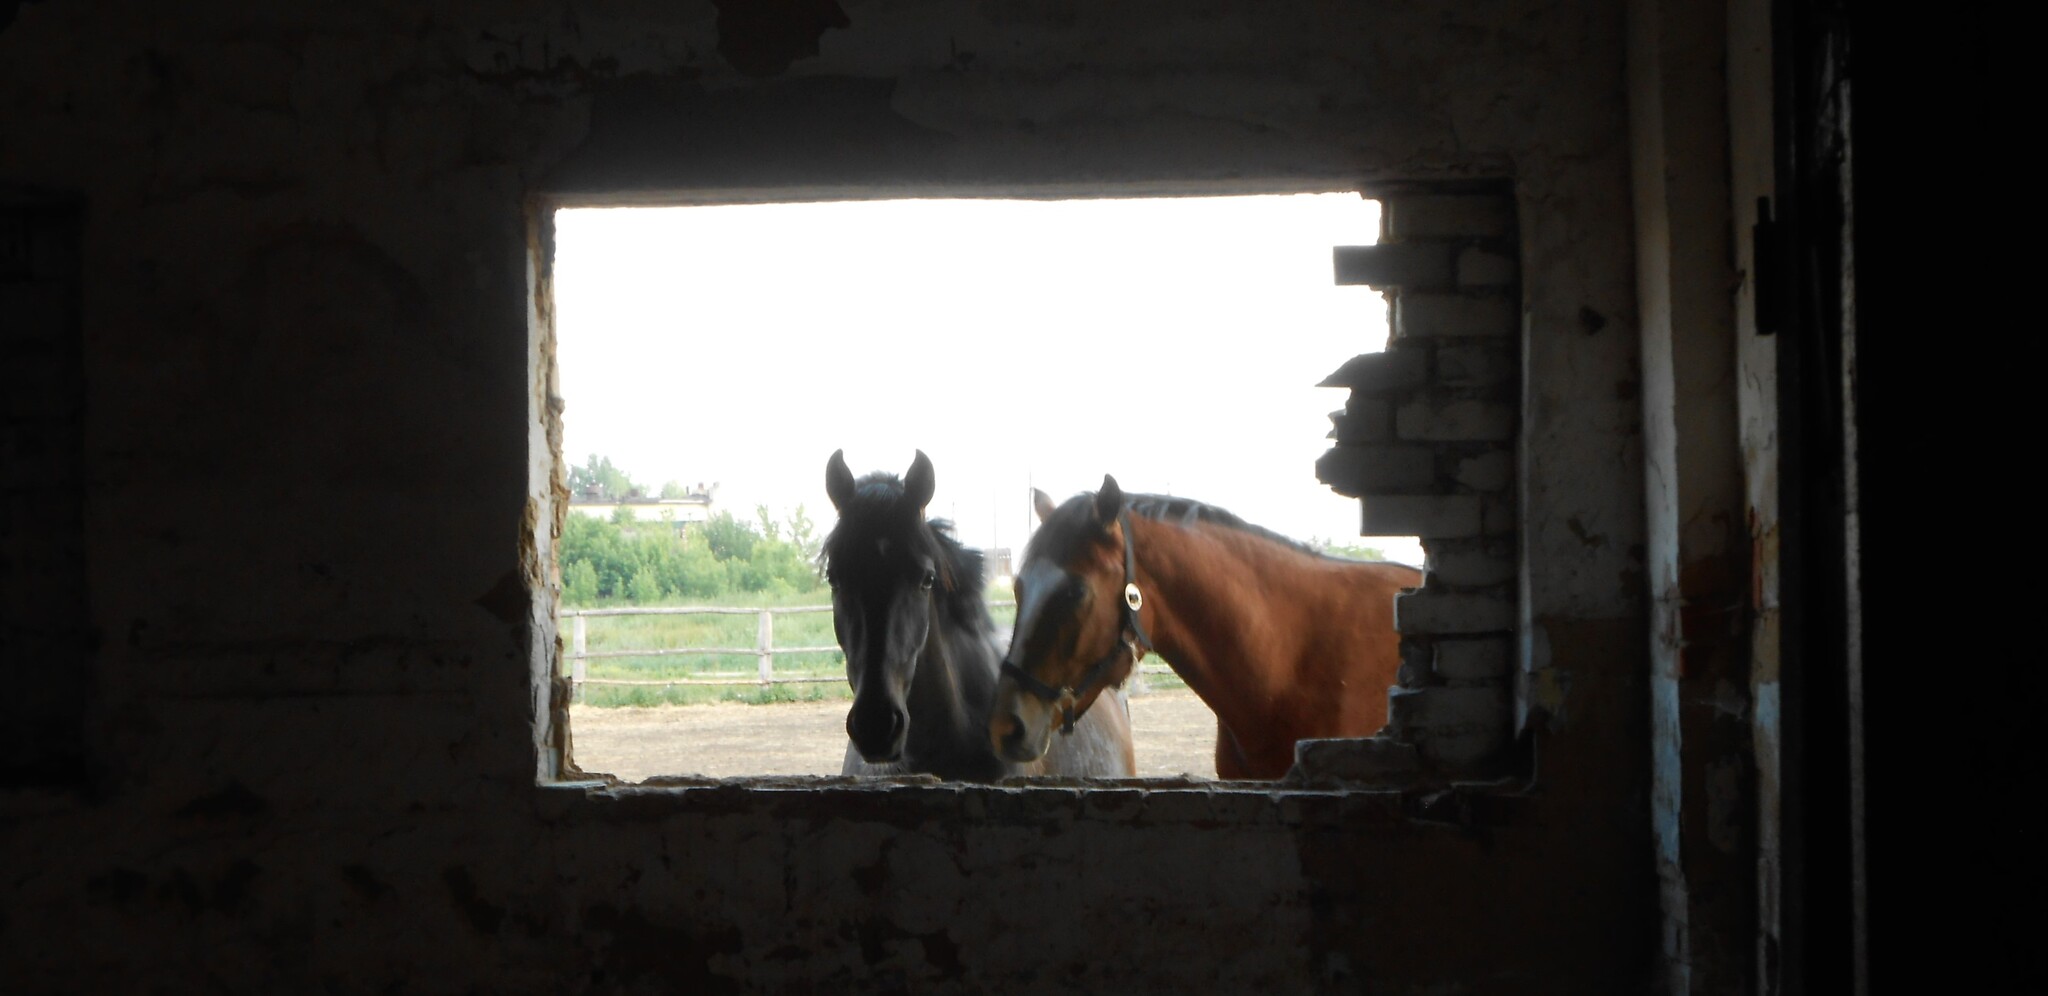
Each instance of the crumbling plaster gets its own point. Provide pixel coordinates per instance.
(312, 443)
(1701, 788)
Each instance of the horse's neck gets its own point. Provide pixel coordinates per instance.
(1201, 623)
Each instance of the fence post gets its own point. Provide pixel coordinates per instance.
(579, 643)
(764, 640)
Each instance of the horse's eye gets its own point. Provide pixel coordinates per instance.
(930, 578)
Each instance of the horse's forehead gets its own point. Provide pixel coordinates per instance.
(1076, 555)
(1037, 583)
(874, 536)
(1043, 574)
(885, 551)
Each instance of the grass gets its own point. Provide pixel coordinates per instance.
(606, 697)
(1168, 682)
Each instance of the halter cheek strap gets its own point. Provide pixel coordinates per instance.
(1131, 638)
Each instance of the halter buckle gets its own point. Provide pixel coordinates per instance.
(1133, 597)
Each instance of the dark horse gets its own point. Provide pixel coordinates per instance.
(921, 650)
(1282, 642)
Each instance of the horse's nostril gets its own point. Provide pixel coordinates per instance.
(897, 721)
(1007, 729)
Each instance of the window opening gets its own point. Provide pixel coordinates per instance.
(712, 358)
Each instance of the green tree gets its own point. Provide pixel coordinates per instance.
(784, 568)
(730, 538)
(619, 559)
(1348, 551)
(770, 529)
(803, 533)
(645, 588)
(674, 489)
(603, 546)
(698, 573)
(599, 478)
(579, 583)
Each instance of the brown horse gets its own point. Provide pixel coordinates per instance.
(1282, 642)
(921, 649)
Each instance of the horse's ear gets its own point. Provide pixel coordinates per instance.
(918, 484)
(1042, 504)
(838, 480)
(1108, 501)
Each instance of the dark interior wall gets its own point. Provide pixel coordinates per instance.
(312, 446)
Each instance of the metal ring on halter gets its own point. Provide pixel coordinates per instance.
(1066, 705)
(1133, 597)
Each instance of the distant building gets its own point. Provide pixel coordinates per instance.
(997, 560)
(693, 506)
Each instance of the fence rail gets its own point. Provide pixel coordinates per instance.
(764, 648)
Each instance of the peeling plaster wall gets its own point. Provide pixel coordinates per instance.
(1750, 158)
(1701, 744)
(309, 290)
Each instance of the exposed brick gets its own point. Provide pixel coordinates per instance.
(1363, 420)
(1426, 265)
(1418, 661)
(1381, 373)
(1476, 364)
(1470, 564)
(1360, 470)
(1454, 726)
(1420, 315)
(1445, 705)
(1473, 659)
(1493, 471)
(1455, 421)
(1478, 267)
(1436, 612)
(1378, 760)
(1427, 516)
(1436, 216)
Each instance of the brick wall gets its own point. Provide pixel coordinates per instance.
(1426, 442)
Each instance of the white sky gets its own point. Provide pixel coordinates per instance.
(1174, 343)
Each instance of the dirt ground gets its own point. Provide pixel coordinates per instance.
(1174, 733)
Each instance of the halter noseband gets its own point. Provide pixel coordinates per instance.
(1131, 639)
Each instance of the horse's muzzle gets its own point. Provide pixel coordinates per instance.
(1011, 736)
(877, 732)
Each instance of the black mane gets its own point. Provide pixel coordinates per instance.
(1074, 521)
(877, 511)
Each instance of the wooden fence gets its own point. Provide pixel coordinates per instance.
(763, 650)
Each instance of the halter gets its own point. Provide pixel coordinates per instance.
(1130, 640)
